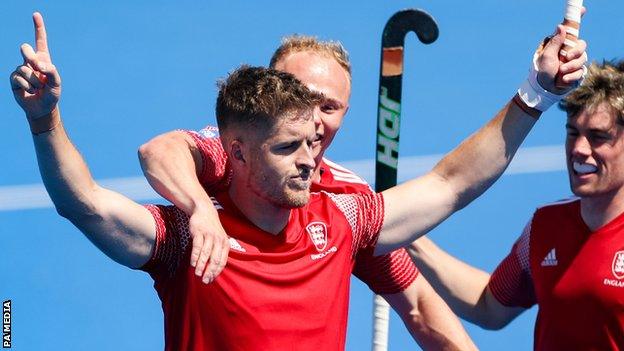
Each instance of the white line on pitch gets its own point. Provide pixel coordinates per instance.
(536, 159)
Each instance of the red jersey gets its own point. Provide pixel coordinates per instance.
(574, 275)
(387, 274)
(278, 292)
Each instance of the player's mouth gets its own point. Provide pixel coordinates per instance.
(300, 183)
(301, 180)
(583, 169)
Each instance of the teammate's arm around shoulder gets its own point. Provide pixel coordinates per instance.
(173, 164)
(122, 229)
(417, 206)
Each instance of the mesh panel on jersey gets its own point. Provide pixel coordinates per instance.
(386, 274)
(365, 214)
(216, 173)
(172, 239)
(158, 241)
(511, 283)
(523, 249)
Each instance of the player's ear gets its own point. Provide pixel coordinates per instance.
(236, 149)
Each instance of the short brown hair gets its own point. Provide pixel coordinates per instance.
(300, 43)
(255, 98)
(603, 84)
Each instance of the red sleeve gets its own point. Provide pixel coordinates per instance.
(172, 243)
(391, 273)
(365, 214)
(511, 283)
(216, 172)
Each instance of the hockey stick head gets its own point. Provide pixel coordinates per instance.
(409, 20)
(391, 75)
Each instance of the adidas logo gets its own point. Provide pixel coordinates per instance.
(550, 259)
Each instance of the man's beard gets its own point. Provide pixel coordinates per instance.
(292, 193)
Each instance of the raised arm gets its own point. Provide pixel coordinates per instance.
(463, 287)
(172, 163)
(122, 229)
(417, 206)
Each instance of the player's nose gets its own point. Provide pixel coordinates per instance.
(305, 157)
(580, 147)
(316, 115)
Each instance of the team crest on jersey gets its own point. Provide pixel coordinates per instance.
(618, 265)
(318, 234)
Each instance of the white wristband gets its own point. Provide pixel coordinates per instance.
(532, 93)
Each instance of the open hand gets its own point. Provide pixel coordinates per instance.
(210, 245)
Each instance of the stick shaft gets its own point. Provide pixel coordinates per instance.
(572, 22)
(381, 318)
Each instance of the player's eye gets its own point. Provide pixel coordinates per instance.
(329, 108)
(600, 137)
(572, 132)
(287, 146)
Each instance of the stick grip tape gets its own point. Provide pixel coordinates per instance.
(572, 22)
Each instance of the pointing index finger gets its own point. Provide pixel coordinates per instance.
(41, 38)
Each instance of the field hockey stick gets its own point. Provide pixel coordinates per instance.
(388, 123)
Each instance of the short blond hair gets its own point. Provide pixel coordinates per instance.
(603, 84)
(302, 43)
